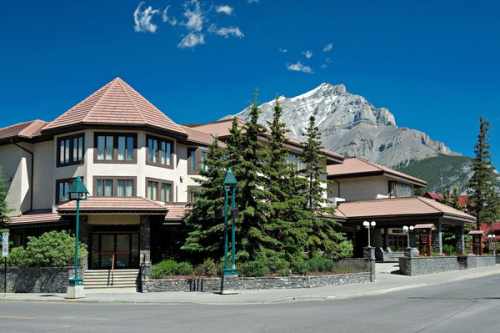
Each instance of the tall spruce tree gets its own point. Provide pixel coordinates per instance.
(285, 189)
(253, 235)
(483, 195)
(323, 234)
(205, 221)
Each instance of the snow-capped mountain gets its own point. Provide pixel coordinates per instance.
(350, 125)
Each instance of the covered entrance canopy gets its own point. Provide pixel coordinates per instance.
(430, 217)
(116, 230)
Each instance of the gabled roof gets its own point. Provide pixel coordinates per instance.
(199, 137)
(34, 217)
(400, 207)
(357, 167)
(116, 103)
(221, 129)
(26, 130)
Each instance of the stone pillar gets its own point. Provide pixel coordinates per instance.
(369, 253)
(145, 246)
(437, 239)
(459, 236)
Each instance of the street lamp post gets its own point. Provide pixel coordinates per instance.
(369, 225)
(407, 231)
(77, 192)
(230, 184)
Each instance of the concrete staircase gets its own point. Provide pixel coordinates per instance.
(118, 278)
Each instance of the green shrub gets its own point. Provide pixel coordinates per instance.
(170, 267)
(345, 249)
(254, 268)
(207, 268)
(449, 249)
(51, 249)
(319, 264)
(298, 265)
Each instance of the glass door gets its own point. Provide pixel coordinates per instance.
(114, 250)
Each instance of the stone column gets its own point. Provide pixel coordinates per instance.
(145, 246)
(459, 236)
(369, 253)
(437, 239)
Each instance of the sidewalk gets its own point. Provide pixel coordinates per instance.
(386, 283)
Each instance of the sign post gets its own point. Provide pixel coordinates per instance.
(4, 237)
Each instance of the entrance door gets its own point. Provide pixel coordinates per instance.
(114, 250)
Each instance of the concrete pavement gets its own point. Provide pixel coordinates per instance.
(464, 306)
(385, 283)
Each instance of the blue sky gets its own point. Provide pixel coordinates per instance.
(434, 64)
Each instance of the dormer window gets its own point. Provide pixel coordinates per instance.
(160, 152)
(115, 148)
(70, 150)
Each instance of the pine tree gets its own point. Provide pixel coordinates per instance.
(323, 235)
(252, 196)
(205, 221)
(285, 189)
(4, 209)
(315, 164)
(483, 196)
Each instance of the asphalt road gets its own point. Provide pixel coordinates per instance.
(467, 306)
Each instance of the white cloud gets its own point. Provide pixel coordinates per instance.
(308, 54)
(168, 19)
(191, 40)
(299, 67)
(226, 32)
(224, 9)
(194, 15)
(143, 18)
(328, 47)
(281, 50)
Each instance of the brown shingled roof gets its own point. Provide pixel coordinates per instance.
(116, 103)
(176, 212)
(353, 167)
(27, 129)
(400, 207)
(200, 137)
(113, 204)
(34, 217)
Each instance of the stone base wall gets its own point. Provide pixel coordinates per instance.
(428, 265)
(35, 279)
(252, 283)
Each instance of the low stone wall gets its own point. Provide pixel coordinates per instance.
(480, 261)
(428, 265)
(35, 279)
(251, 283)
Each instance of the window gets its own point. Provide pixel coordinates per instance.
(117, 148)
(399, 190)
(193, 192)
(62, 189)
(295, 161)
(159, 152)
(114, 186)
(125, 188)
(70, 150)
(159, 190)
(196, 158)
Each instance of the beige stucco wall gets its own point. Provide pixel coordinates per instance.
(43, 175)
(363, 188)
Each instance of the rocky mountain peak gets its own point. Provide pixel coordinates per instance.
(350, 125)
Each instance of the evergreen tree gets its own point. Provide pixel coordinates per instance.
(205, 221)
(483, 196)
(323, 235)
(314, 166)
(285, 189)
(4, 209)
(252, 195)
